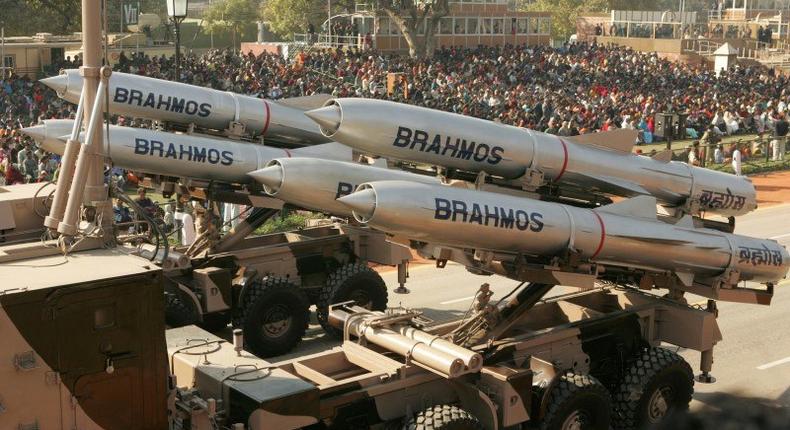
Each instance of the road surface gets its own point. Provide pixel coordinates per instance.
(753, 360)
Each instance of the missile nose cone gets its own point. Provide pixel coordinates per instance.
(36, 132)
(271, 177)
(362, 202)
(39, 134)
(328, 118)
(58, 83)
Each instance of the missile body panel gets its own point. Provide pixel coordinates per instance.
(625, 234)
(316, 183)
(421, 135)
(156, 99)
(182, 155)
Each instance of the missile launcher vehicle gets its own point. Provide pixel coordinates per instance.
(267, 284)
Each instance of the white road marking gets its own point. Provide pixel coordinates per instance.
(464, 299)
(780, 236)
(774, 363)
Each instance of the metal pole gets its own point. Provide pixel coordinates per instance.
(2, 48)
(91, 169)
(329, 20)
(178, 48)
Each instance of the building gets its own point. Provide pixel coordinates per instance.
(29, 55)
(734, 17)
(469, 24)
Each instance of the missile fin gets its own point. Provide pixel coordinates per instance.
(306, 103)
(621, 140)
(637, 207)
(687, 222)
(686, 278)
(664, 156)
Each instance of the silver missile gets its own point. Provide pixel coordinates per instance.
(626, 234)
(601, 162)
(144, 97)
(182, 155)
(316, 183)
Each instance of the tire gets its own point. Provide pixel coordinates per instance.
(659, 383)
(443, 417)
(178, 311)
(273, 315)
(577, 401)
(356, 282)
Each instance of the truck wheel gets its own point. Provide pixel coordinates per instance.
(356, 282)
(658, 383)
(443, 417)
(273, 316)
(577, 402)
(179, 312)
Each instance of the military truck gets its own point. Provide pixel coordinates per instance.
(267, 284)
(589, 360)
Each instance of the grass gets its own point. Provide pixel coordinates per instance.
(291, 221)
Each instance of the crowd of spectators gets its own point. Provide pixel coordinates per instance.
(576, 89)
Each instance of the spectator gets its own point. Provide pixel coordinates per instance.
(736, 161)
(121, 212)
(145, 203)
(780, 134)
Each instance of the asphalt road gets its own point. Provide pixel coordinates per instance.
(753, 360)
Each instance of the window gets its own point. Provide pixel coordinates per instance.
(384, 26)
(521, 26)
(9, 62)
(533, 25)
(421, 27)
(485, 26)
(445, 26)
(471, 26)
(545, 25)
(498, 25)
(460, 26)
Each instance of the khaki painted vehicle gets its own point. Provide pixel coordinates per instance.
(586, 360)
(22, 211)
(85, 342)
(266, 285)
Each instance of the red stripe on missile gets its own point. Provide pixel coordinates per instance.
(603, 236)
(564, 161)
(268, 116)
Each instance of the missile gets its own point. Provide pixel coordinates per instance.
(626, 234)
(316, 183)
(601, 162)
(156, 99)
(182, 155)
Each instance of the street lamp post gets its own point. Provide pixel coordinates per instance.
(177, 11)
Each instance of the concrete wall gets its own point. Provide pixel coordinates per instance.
(662, 46)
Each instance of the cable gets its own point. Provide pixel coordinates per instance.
(154, 226)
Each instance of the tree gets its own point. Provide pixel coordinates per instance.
(286, 17)
(230, 15)
(411, 15)
(26, 17)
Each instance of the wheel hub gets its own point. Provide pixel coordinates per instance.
(276, 320)
(361, 298)
(578, 420)
(658, 405)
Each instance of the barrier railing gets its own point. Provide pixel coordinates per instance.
(755, 151)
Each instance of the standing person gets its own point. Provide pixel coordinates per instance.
(736, 160)
(780, 133)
